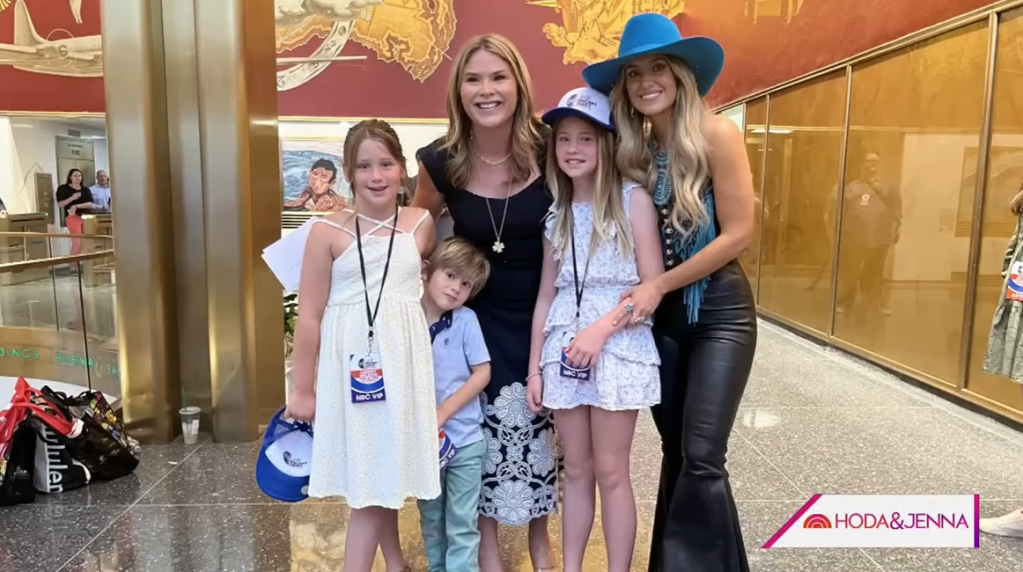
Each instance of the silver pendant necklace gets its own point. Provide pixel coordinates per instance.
(498, 246)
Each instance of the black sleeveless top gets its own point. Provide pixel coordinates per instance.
(505, 305)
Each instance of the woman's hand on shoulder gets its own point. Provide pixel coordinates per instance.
(734, 197)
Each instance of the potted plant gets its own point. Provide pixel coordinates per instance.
(290, 319)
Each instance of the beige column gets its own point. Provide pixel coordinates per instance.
(192, 121)
(241, 181)
(144, 233)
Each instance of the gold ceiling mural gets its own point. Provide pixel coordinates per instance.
(57, 52)
(415, 34)
(590, 29)
(325, 25)
(757, 9)
(76, 8)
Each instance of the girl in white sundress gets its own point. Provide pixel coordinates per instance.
(362, 335)
(601, 240)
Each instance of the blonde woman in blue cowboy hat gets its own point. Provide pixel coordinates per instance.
(695, 165)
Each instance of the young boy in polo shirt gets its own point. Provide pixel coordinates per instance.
(461, 363)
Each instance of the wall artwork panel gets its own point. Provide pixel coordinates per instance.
(312, 176)
(392, 58)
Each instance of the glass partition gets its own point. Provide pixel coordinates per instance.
(756, 140)
(898, 207)
(58, 317)
(1002, 183)
(915, 122)
(804, 156)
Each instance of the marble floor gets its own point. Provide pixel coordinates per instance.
(812, 421)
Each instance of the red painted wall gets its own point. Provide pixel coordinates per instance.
(772, 51)
(760, 54)
(26, 91)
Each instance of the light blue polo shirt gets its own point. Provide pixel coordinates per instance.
(456, 348)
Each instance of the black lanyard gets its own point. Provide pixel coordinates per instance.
(575, 274)
(372, 316)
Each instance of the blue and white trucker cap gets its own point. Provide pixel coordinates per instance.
(584, 102)
(285, 460)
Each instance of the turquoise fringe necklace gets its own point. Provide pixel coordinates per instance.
(676, 249)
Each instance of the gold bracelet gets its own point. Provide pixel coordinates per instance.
(532, 375)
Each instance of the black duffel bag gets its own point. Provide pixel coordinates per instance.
(105, 455)
(16, 481)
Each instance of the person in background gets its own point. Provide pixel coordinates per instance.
(1003, 357)
(74, 200)
(101, 193)
(873, 209)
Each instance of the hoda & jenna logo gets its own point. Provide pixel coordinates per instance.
(883, 521)
(816, 521)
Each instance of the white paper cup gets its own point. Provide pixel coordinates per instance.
(190, 424)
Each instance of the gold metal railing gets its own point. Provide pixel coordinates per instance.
(58, 318)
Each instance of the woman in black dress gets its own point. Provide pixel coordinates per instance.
(487, 170)
(695, 165)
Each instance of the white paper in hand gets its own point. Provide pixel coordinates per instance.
(284, 257)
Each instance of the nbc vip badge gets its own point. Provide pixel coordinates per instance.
(1014, 286)
(568, 370)
(447, 449)
(367, 374)
(367, 377)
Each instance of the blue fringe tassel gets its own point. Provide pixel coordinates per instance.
(693, 293)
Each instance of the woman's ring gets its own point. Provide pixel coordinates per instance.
(628, 308)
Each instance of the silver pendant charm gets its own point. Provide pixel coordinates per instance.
(498, 247)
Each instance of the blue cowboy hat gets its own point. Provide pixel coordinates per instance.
(650, 34)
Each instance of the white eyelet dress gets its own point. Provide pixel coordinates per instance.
(376, 454)
(626, 375)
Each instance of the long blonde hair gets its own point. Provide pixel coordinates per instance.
(526, 140)
(688, 150)
(608, 210)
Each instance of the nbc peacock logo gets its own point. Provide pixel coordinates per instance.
(816, 521)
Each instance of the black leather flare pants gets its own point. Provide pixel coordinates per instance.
(705, 367)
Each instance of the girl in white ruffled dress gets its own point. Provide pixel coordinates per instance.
(601, 240)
